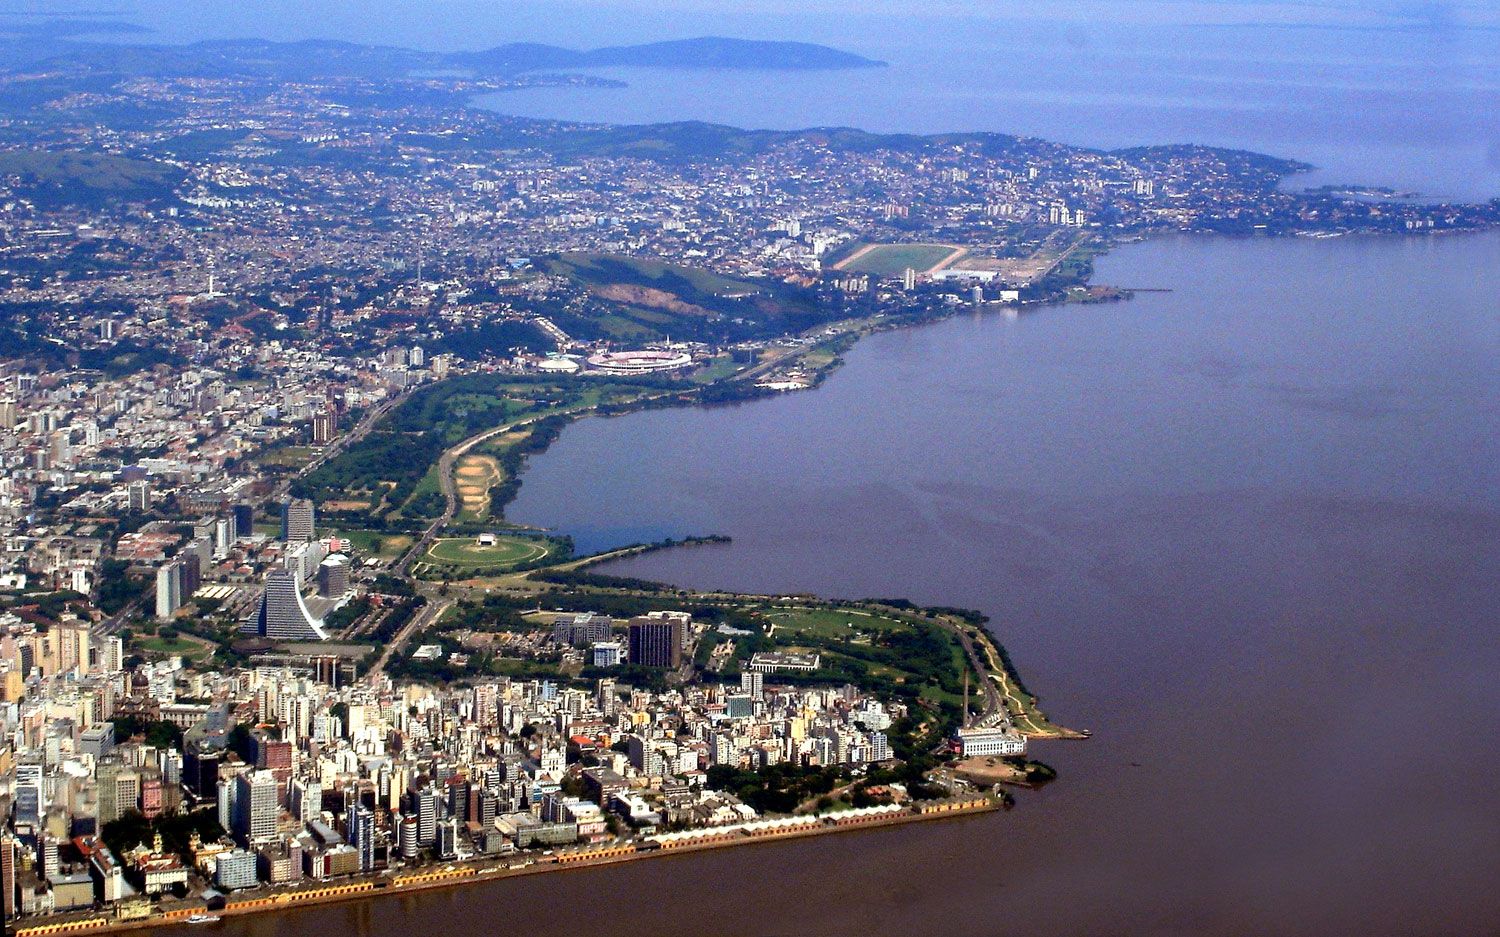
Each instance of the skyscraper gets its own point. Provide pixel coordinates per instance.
(8, 886)
(422, 805)
(656, 642)
(119, 792)
(244, 520)
(362, 834)
(283, 615)
(333, 576)
(168, 589)
(298, 519)
(323, 427)
(256, 805)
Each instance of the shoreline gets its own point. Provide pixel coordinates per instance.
(494, 869)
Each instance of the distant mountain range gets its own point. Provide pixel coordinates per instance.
(66, 44)
(707, 52)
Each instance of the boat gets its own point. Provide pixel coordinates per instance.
(204, 919)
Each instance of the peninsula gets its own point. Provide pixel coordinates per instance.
(280, 325)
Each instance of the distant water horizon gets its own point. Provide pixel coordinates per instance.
(1401, 97)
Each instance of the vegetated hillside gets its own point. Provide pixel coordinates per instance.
(310, 58)
(55, 179)
(705, 52)
(636, 299)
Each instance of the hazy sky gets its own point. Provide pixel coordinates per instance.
(469, 23)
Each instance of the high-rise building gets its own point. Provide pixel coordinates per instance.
(9, 415)
(753, 683)
(9, 888)
(656, 642)
(305, 799)
(30, 803)
(168, 589)
(119, 792)
(256, 804)
(361, 834)
(283, 615)
(447, 838)
(324, 426)
(235, 869)
(298, 520)
(138, 496)
(606, 654)
(406, 838)
(244, 520)
(98, 740)
(112, 654)
(333, 576)
(422, 806)
(582, 629)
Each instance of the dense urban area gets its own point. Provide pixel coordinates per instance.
(279, 326)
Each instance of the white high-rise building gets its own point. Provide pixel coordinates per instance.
(283, 614)
(168, 589)
(256, 806)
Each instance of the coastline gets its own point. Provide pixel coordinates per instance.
(493, 869)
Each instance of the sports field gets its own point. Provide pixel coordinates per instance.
(507, 551)
(892, 260)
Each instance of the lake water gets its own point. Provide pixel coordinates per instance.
(1417, 110)
(1405, 95)
(1247, 531)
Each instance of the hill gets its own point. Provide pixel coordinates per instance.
(635, 300)
(706, 52)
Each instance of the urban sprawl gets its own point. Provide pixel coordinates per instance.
(273, 350)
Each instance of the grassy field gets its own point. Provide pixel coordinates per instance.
(837, 624)
(892, 260)
(289, 456)
(386, 546)
(603, 269)
(465, 552)
(172, 646)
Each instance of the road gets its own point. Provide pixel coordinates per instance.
(360, 431)
(426, 616)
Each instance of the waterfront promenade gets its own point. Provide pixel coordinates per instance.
(492, 868)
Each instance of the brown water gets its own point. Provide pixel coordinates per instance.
(1247, 531)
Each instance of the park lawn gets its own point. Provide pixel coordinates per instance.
(384, 545)
(718, 369)
(293, 457)
(507, 551)
(830, 624)
(171, 646)
(429, 485)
